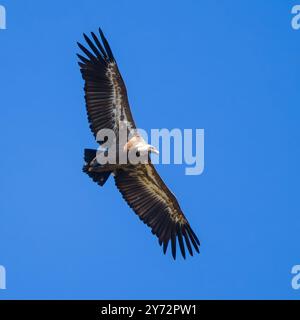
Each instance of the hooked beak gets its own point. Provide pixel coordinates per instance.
(154, 150)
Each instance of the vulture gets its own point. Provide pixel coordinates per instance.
(139, 183)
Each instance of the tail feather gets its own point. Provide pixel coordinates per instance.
(89, 155)
(99, 177)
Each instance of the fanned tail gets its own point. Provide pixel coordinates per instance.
(90, 164)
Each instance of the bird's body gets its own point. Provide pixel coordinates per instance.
(139, 183)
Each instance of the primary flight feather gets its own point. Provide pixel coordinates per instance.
(140, 185)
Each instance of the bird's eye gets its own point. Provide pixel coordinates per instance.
(138, 154)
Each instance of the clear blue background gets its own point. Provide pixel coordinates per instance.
(230, 67)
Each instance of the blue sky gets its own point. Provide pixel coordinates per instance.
(230, 67)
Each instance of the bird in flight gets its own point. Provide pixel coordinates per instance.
(139, 183)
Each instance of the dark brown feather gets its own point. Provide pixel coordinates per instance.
(103, 82)
(146, 193)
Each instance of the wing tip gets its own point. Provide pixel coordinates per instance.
(106, 46)
(97, 53)
(181, 233)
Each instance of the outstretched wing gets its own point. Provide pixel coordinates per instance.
(149, 197)
(105, 91)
